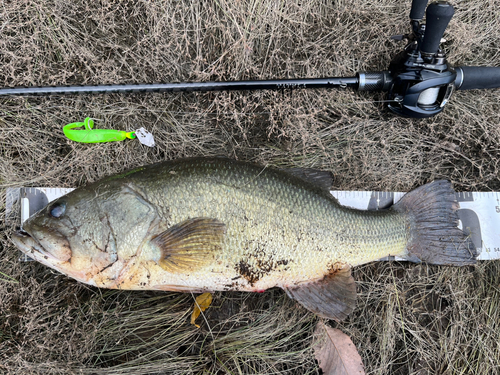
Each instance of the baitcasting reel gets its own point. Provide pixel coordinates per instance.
(421, 79)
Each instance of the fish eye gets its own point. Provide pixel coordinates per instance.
(58, 209)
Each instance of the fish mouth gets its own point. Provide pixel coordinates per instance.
(29, 245)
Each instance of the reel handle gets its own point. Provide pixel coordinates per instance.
(417, 9)
(438, 16)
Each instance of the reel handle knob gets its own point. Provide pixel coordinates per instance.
(438, 16)
(417, 9)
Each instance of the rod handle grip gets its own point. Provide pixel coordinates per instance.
(477, 77)
(438, 15)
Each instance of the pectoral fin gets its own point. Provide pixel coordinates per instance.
(333, 297)
(190, 244)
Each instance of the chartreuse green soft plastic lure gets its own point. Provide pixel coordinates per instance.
(90, 135)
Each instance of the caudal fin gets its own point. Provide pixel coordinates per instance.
(434, 236)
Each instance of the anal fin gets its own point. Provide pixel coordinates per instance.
(333, 297)
(189, 245)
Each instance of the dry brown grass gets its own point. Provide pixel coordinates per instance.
(410, 319)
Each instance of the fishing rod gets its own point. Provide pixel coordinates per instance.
(419, 81)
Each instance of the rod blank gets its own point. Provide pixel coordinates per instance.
(307, 83)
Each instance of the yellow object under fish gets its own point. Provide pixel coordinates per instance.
(201, 303)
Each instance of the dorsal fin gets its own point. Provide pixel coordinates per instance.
(322, 179)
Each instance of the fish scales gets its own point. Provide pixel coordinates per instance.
(217, 224)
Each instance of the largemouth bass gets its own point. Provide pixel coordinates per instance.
(198, 225)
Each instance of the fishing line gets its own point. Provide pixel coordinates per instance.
(128, 110)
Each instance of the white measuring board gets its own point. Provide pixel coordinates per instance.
(479, 213)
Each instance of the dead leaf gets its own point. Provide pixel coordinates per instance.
(201, 304)
(335, 352)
